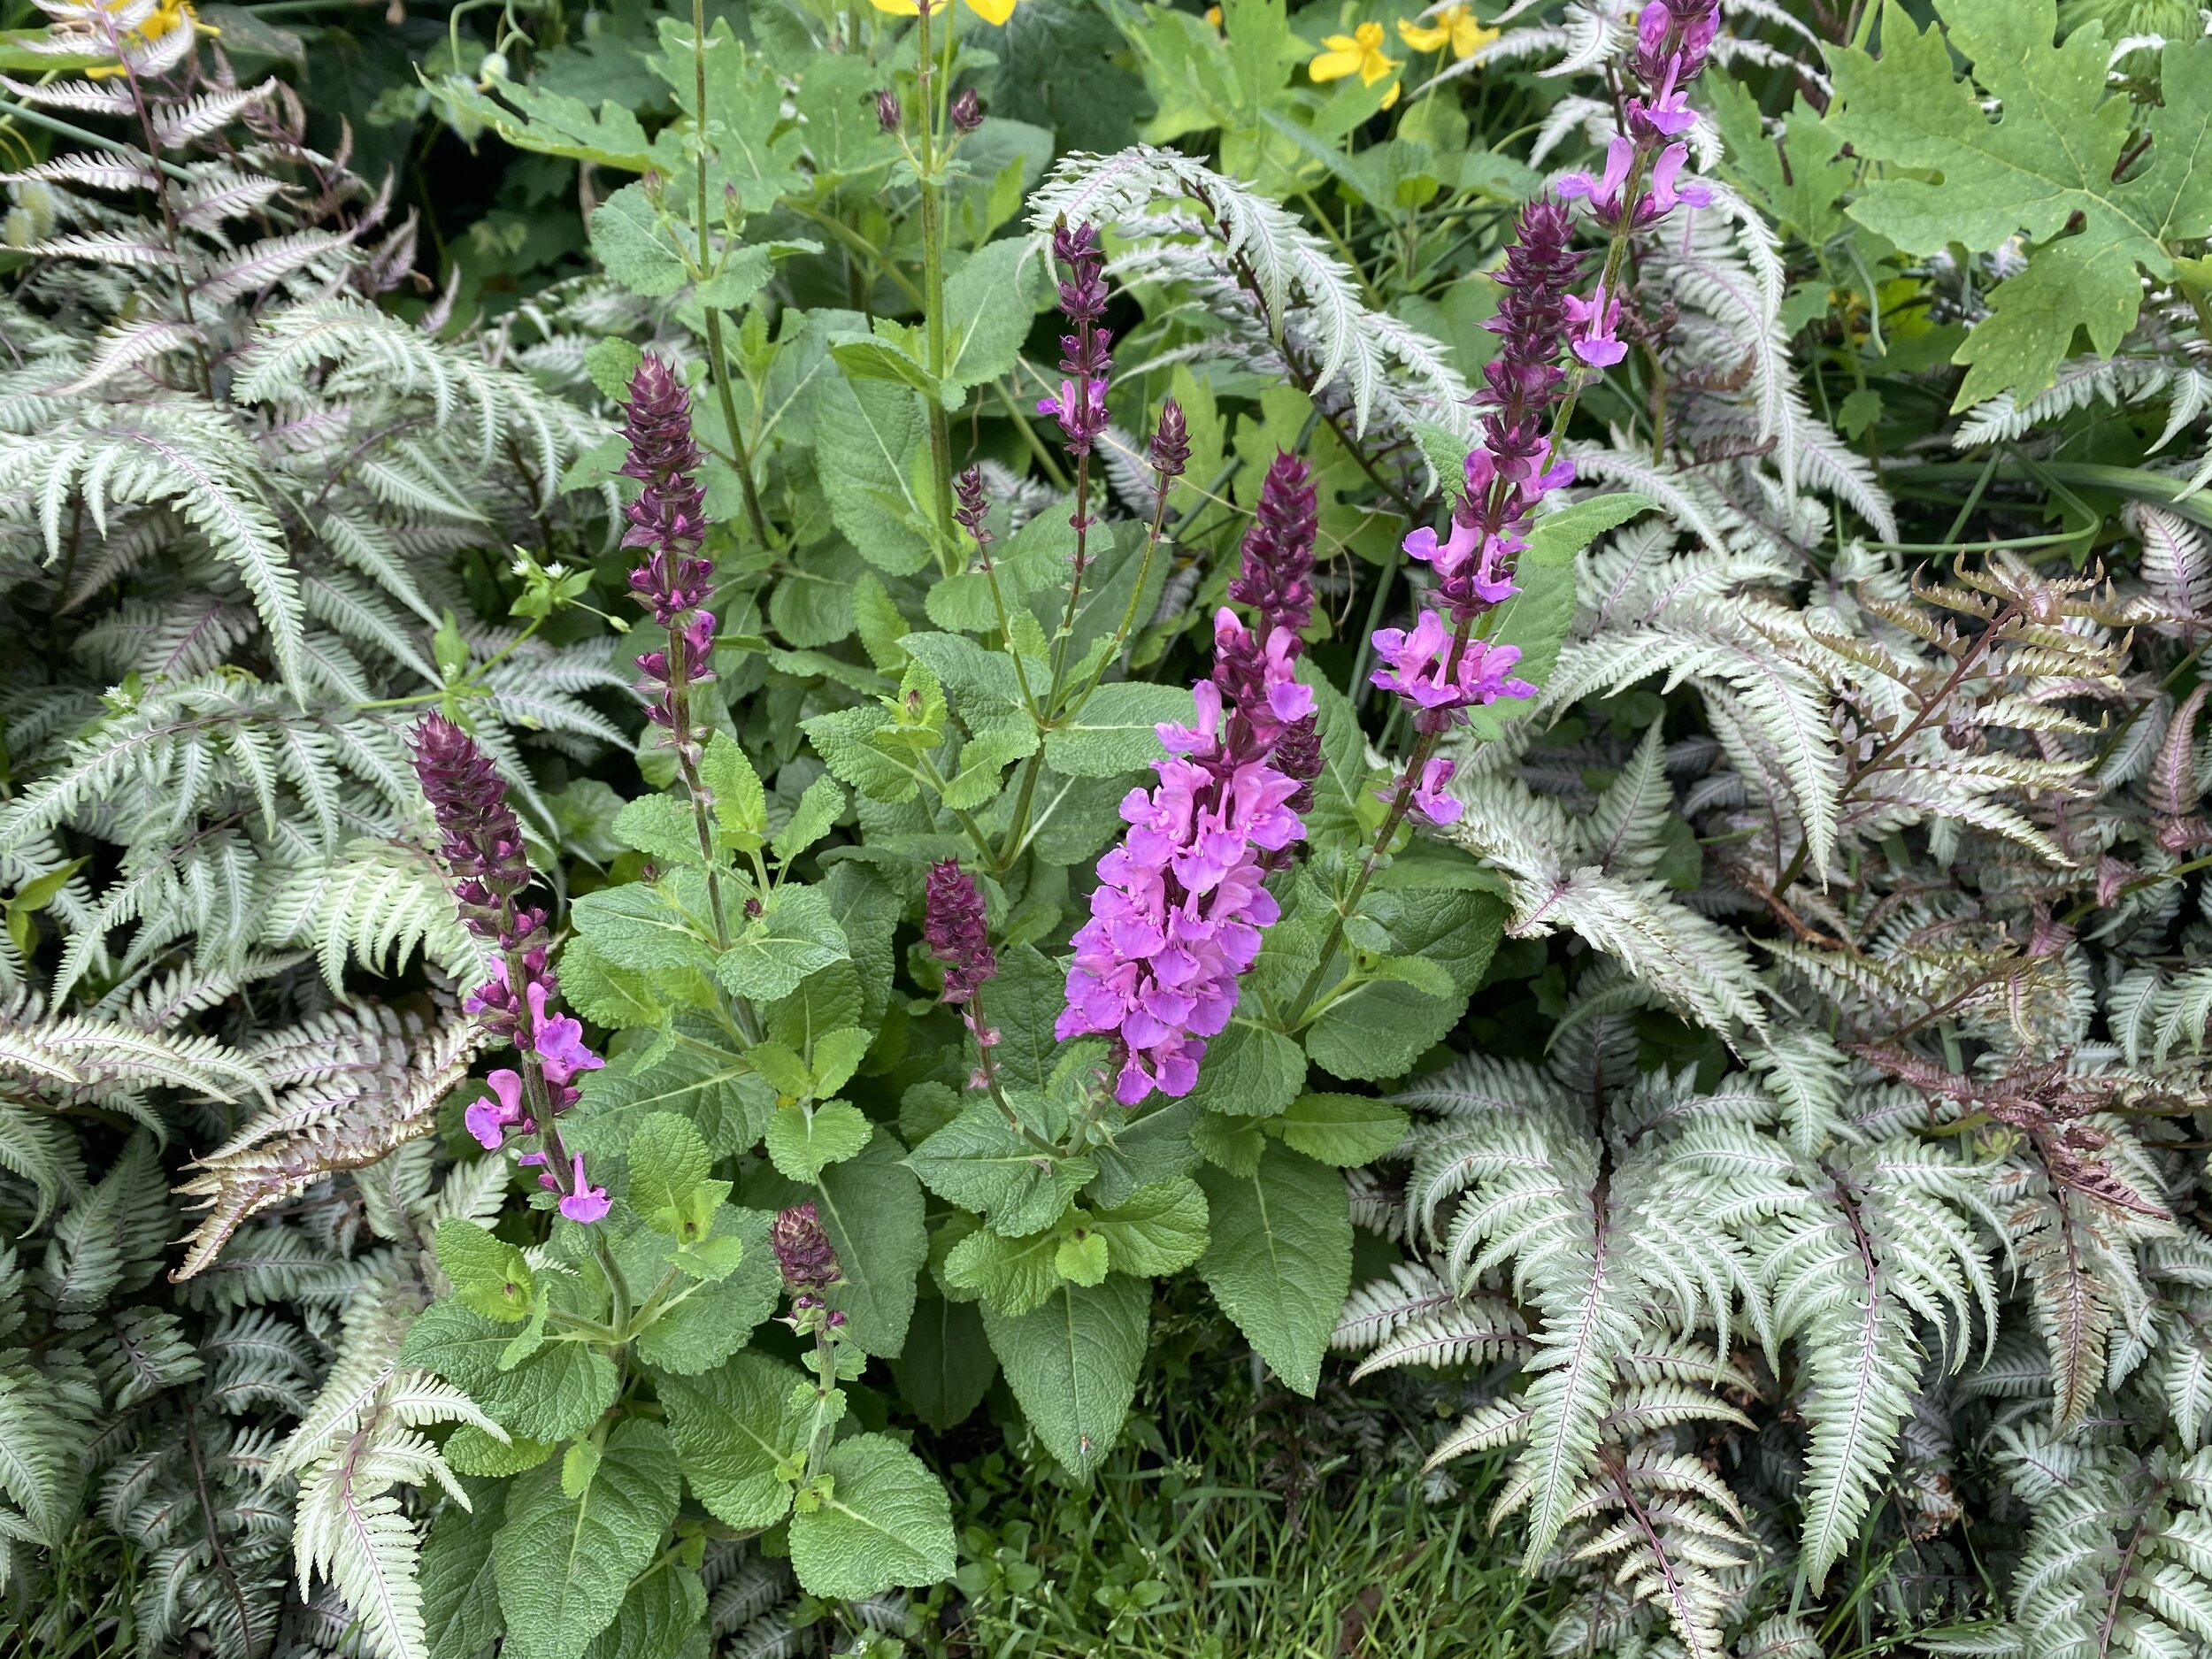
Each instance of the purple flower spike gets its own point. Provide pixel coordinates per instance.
(668, 520)
(804, 1255)
(1084, 354)
(955, 930)
(482, 851)
(1177, 916)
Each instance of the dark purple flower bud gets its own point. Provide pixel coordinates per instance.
(1171, 443)
(482, 848)
(955, 929)
(967, 111)
(888, 115)
(1298, 755)
(1276, 578)
(1083, 291)
(669, 516)
(804, 1255)
(974, 508)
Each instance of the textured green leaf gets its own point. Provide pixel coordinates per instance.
(666, 1606)
(636, 245)
(621, 999)
(877, 435)
(990, 302)
(718, 1316)
(946, 1368)
(1558, 536)
(635, 926)
(1156, 1230)
(979, 1162)
(668, 1160)
(560, 1391)
(803, 1143)
(1249, 1070)
(1073, 1363)
(488, 1274)
(693, 1076)
(1116, 730)
(661, 827)
(886, 1521)
(460, 1601)
(1280, 1260)
(727, 1427)
(1343, 1130)
(794, 935)
(1016, 1276)
(563, 1564)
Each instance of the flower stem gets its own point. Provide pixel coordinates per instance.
(932, 283)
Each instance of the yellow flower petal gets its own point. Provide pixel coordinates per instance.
(1424, 40)
(993, 11)
(898, 8)
(1370, 36)
(1391, 97)
(1335, 64)
(1213, 16)
(1469, 36)
(1375, 68)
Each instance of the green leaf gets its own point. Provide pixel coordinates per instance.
(979, 1162)
(1381, 1028)
(635, 244)
(668, 1161)
(1280, 1260)
(1156, 1230)
(885, 1521)
(1082, 1258)
(794, 935)
(990, 302)
(819, 809)
(663, 1609)
(717, 1315)
(754, 149)
(802, 1143)
(1034, 557)
(488, 1274)
(1025, 1000)
(727, 1427)
(563, 1564)
(470, 1451)
(691, 1075)
(1114, 732)
(947, 1365)
(2045, 164)
(1534, 621)
(741, 805)
(877, 435)
(1343, 1130)
(553, 124)
(636, 925)
(460, 1601)
(1249, 1070)
(1558, 536)
(661, 827)
(1072, 1364)
(872, 1206)
(621, 999)
(558, 1392)
(874, 358)
(1015, 1276)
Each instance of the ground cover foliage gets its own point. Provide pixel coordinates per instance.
(1050, 827)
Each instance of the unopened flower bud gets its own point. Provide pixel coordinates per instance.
(967, 111)
(889, 114)
(804, 1255)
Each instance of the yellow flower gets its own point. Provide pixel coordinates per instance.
(1456, 26)
(1359, 53)
(993, 11)
(1213, 16)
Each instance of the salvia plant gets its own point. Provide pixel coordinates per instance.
(1279, 673)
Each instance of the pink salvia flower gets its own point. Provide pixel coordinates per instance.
(585, 1203)
(1591, 328)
